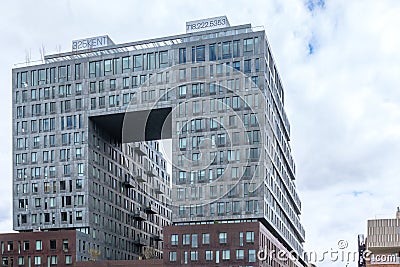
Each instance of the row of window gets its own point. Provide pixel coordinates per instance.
(50, 217)
(211, 255)
(220, 208)
(49, 124)
(245, 172)
(35, 260)
(25, 245)
(148, 61)
(47, 171)
(249, 65)
(51, 202)
(193, 239)
(222, 50)
(47, 156)
(215, 191)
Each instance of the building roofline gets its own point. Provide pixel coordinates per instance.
(148, 41)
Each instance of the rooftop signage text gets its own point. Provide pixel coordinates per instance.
(93, 42)
(207, 24)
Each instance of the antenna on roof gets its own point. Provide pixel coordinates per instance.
(42, 51)
(58, 48)
(27, 56)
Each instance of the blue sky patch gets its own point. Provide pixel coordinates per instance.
(313, 4)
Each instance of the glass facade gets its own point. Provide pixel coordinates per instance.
(230, 141)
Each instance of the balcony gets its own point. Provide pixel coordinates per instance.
(157, 237)
(151, 172)
(140, 178)
(140, 149)
(158, 190)
(140, 216)
(150, 209)
(140, 241)
(128, 182)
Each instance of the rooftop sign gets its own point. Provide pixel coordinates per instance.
(93, 42)
(207, 24)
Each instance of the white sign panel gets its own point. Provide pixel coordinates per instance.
(93, 42)
(207, 24)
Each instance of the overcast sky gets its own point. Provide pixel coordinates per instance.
(340, 65)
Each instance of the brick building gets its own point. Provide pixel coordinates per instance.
(61, 248)
(223, 244)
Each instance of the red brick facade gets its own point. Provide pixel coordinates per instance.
(221, 244)
(38, 248)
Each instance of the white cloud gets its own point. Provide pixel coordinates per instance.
(343, 100)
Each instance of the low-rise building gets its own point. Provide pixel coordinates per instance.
(383, 242)
(60, 248)
(231, 243)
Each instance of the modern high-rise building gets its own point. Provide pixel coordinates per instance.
(85, 124)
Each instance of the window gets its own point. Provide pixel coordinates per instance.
(78, 103)
(239, 254)
(236, 65)
(102, 101)
(236, 48)
(222, 238)
(94, 69)
(68, 259)
(53, 244)
(38, 260)
(182, 211)
(10, 246)
(182, 91)
(182, 176)
(35, 188)
(250, 237)
(206, 239)
(186, 239)
(226, 254)
(26, 245)
(226, 50)
(78, 215)
(53, 260)
(126, 82)
(78, 71)
(248, 46)
(65, 244)
(200, 53)
(163, 59)
(182, 74)
(38, 244)
(182, 143)
(79, 184)
(137, 63)
(194, 240)
(212, 52)
(21, 260)
(172, 256)
(247, 66)
(182, 55)
(194, 255)
(252, 255)
(174, 239)
(125, 64)
(113, 83)
(209, 255)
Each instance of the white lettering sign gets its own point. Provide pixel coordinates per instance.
(90, 43)
(207, 24)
